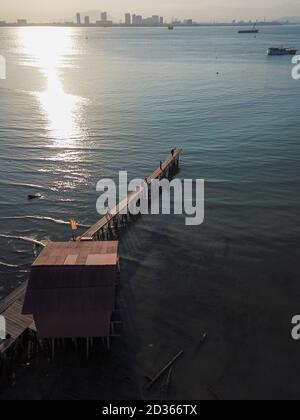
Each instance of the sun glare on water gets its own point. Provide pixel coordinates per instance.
(47, 49)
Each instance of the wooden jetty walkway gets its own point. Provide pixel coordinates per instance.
(16, 323)
(167, 169)
(11, 306)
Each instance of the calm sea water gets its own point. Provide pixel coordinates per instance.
(82, 104)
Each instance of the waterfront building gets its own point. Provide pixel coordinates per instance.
(137, 20)
(78, 19)
(72, 288)
(155, 20)
(127, 19)
(87, 20)
(104, 17)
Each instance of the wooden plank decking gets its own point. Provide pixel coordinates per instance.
(16, 323)
(156, 174)
(170, 159)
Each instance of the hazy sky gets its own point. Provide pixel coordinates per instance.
(202, 10)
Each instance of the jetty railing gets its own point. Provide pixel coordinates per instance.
(103, 229)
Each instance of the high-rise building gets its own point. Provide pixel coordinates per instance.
(78, 18)
(104, 17)
(128, 19)
(137, 20)
(155, 20)
(87, 20)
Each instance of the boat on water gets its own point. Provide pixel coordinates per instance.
(282, 51)
(253, 30)
(36, 196)
(170, 27)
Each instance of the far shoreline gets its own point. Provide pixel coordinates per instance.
(123, 25)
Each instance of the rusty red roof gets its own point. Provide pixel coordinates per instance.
(78, 253)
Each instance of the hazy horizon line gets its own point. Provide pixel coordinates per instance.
(117, 20)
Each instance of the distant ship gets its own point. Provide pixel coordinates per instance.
(254, 30)
(170, 27)
(282, 51)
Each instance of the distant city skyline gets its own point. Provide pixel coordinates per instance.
(84, 19)
(201, 11)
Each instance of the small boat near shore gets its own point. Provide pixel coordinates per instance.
(36, 196)
(282, 51)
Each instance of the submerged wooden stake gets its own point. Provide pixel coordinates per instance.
(166, 386)
(160, 373)
(169, 379)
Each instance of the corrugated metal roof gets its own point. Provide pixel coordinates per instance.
(71, 259)
(105, 259)
(77, 253)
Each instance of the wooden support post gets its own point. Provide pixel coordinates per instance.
(171, 171)
(52, 348)
(169, 175)
(87, 348)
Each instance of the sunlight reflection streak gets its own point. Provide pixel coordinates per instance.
(47, 50)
